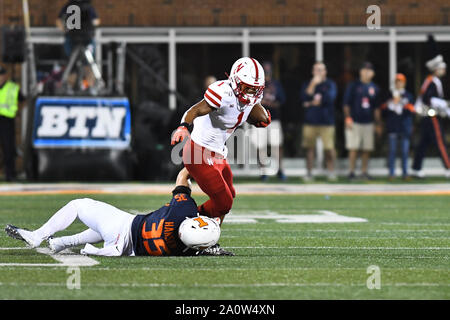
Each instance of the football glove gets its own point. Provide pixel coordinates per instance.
(180, 134)
(263, 124)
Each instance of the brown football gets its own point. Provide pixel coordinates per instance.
(257, 114)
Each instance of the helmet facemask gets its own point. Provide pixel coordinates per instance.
(246, 94)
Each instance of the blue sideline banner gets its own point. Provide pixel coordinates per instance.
(82, 122)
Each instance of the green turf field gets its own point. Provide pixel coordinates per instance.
(407, 237)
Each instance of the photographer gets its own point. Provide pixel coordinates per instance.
(88, 21)
(82, 34)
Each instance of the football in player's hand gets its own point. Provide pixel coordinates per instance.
(258, 114)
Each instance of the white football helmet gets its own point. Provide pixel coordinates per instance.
(199, 233)
(246, 75)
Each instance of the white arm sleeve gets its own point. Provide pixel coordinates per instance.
(438, 103)
(110, 251)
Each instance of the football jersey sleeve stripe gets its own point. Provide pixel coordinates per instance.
(211, 101)
(214, 94)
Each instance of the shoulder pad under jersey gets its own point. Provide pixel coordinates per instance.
(217, 93)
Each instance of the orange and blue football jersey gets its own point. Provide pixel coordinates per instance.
(156, 233)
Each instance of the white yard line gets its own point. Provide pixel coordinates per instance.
(334, 230)
(414, 223)
(342, 248)
(31, 265)
(225, 285)
(66, 258)
(299, 236)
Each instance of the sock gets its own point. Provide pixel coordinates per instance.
(87, 236)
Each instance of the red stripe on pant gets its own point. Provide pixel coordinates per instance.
(440, 142)
(213, 175)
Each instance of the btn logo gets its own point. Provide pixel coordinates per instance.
(82, 122)
(55, 122)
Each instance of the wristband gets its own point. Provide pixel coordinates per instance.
(186, 125)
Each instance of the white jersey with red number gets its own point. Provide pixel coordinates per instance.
(212, 130)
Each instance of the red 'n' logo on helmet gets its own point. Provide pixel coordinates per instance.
(239, 67)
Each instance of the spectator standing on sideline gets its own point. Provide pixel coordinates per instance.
(9, 104)
(273, 99)
(398, 112)
(361, 109)
(432, 96)
(318, 97)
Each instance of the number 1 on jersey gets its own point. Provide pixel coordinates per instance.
(239, 119)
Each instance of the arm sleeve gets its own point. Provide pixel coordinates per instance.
(378, 101)
(303, 95)
(181, 189)
(348, 95)
(438, 103)
(409, 107)
(331, 94)
(183, 201)
(430, 92)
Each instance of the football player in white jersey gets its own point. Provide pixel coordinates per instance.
(227, 104)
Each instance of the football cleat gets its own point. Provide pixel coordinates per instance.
(24, 235)
(214, 250)
(12, 232)
(55, 245)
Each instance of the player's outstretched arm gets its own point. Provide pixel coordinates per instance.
(200, 109)
(197, 110)
(183, 178)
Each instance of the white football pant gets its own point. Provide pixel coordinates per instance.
(106, 223)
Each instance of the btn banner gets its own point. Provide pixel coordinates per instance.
(74, 122)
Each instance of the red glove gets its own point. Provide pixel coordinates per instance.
(180, 134)
(263, 124)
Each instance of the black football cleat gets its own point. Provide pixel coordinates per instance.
(12, 231)
(214, 250)
(23, 234)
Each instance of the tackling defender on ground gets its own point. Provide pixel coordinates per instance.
(174, 229)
